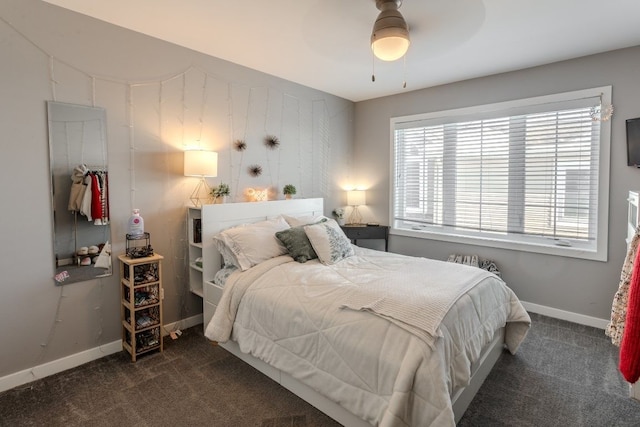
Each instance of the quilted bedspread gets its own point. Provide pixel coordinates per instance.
(292, 316)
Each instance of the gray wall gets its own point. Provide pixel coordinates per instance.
(155, 95)
(574, 285)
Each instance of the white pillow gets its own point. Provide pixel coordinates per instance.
(228, 257)
(329, 241)
(297, 221)
(253, 243)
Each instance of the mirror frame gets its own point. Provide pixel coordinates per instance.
(78, 158)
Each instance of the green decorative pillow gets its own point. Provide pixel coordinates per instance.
(297, 243)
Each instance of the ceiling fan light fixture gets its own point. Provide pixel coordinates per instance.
(390, 35)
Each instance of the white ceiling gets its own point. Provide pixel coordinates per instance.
(324, 44)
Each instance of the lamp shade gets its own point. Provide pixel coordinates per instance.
(356, 198)
(390, 35)
(200, 163)
(391, 47)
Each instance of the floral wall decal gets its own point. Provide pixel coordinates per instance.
(255, 170)
(271, 142)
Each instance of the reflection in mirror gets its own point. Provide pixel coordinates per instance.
(79, 190)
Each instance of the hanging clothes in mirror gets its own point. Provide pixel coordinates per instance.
(99, 205)
(89, 194)
(77, 188)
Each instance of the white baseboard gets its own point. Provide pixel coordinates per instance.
(634, 390)
(55, 366)
(182, 324)
(37, 372)
(569, 316)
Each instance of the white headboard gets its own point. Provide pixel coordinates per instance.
(216, 218)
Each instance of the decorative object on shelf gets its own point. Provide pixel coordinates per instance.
(339, 214)
(255, 170)
(139, 246)
(272, 142)
(257, 194)
(356, 198)
(197, 230)
(201, 164)
(240, 145)
(136, 224)
(390, 34)
(289, 191)
(220, 193)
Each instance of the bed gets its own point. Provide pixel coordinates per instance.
(333, 331)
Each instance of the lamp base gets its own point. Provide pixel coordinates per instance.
(355, 218)
(202, 194)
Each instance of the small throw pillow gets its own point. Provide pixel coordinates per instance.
(297, 243)
(329, 241)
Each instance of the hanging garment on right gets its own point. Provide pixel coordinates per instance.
(615, 328)
(630, 346)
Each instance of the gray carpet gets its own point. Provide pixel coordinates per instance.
(563, 375)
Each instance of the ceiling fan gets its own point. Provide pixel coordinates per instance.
(390, 34)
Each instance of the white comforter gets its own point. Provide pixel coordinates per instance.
(291, 315)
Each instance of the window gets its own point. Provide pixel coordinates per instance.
(529, 175)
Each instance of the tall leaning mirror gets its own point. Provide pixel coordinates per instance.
(79, 192)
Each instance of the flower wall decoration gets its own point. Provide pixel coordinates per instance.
(255, 170)
(601, 112)
(272, 142)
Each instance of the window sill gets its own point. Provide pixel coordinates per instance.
(534, 247)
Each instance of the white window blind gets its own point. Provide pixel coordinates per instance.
(526, 172)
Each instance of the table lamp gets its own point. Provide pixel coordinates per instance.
(201, 164)
(355, 198)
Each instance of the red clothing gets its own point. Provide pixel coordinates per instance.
(630, 347)
(96, 203)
